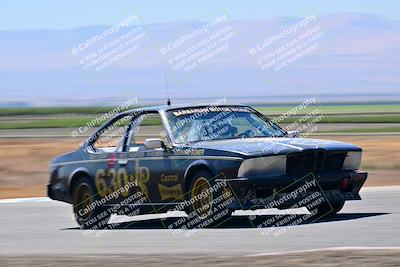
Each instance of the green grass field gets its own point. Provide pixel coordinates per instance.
(77, 122)
(272, 110)
(370, 130)
(80, 116)
(334, 109)
(353, 119)
(54, 110)
(55, 123)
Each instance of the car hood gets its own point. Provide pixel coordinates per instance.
(274, 146)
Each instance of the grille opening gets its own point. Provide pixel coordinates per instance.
(335, 160)
(315, 160)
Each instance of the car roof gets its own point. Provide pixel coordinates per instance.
(175, 106)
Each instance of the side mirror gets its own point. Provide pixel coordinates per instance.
(153, 143)
(293, 133)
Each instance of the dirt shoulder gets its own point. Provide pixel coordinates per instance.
(24, 162)
(365, 258)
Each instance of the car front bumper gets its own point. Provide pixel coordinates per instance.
(289, 191)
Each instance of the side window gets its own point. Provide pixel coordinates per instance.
(111, 139)
(145, 126)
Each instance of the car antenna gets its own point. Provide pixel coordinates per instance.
(166, 86)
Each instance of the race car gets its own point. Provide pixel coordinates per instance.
(206, 160)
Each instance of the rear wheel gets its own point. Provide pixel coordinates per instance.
(87, 214)
(206, 204)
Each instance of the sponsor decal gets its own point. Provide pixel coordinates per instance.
(206, 110)
(169, 178)
(170, 192)
(189, 152)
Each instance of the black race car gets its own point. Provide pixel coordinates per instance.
(205, 160)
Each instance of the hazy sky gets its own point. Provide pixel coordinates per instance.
(356, 56)
(58, 14)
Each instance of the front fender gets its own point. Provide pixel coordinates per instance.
(73, 175)
(197, 165)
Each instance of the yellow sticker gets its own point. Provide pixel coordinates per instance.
(142, 176)
(170, 192)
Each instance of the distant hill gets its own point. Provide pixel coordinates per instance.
(357, 55)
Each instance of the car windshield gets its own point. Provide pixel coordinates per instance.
(215, 123)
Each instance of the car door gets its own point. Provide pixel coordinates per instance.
(108, 159)
(152, 166)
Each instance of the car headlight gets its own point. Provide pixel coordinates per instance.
(263, 166)
(352, 160)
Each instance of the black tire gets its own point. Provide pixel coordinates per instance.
(83, 194)
(330, 208)
(204, 207)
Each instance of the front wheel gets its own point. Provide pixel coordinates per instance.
(207, 207)
(87, 214)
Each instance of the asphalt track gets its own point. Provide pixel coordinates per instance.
(45, 227)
